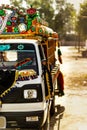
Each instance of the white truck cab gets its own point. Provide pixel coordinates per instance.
(26, 95)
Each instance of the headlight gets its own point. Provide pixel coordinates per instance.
(30, 93)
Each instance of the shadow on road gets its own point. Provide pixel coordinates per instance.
(55, 120)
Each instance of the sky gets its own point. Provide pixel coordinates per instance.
(76, 3)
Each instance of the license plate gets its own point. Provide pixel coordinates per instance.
(32, 118)
(2, 122)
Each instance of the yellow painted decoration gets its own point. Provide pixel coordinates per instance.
(13, 86)
(23, 73)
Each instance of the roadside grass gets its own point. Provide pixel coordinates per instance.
(77, 81)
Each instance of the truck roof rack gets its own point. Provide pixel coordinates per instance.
(23, 24)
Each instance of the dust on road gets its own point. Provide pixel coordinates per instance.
(74, 102)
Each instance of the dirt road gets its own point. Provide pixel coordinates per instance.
(72, 107)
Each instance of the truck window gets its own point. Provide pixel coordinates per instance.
(41, 51)
(18, 56)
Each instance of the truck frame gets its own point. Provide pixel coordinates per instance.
(26, 97)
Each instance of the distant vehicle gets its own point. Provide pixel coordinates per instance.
(84, 53)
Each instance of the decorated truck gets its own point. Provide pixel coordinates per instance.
(27, 95)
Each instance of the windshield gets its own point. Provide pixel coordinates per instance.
(18, 56)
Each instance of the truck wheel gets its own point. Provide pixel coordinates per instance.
(52, 110)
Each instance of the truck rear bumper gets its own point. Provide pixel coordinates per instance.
(23, 119)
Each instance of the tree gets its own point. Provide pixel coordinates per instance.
(16, 3)
(82, 20)
(64, 18)
(59, 15)
(46, 9)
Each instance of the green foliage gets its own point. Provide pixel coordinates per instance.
(16, 3)
(46, 10)
(82, 20)
(64, 19)
(59, 15)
